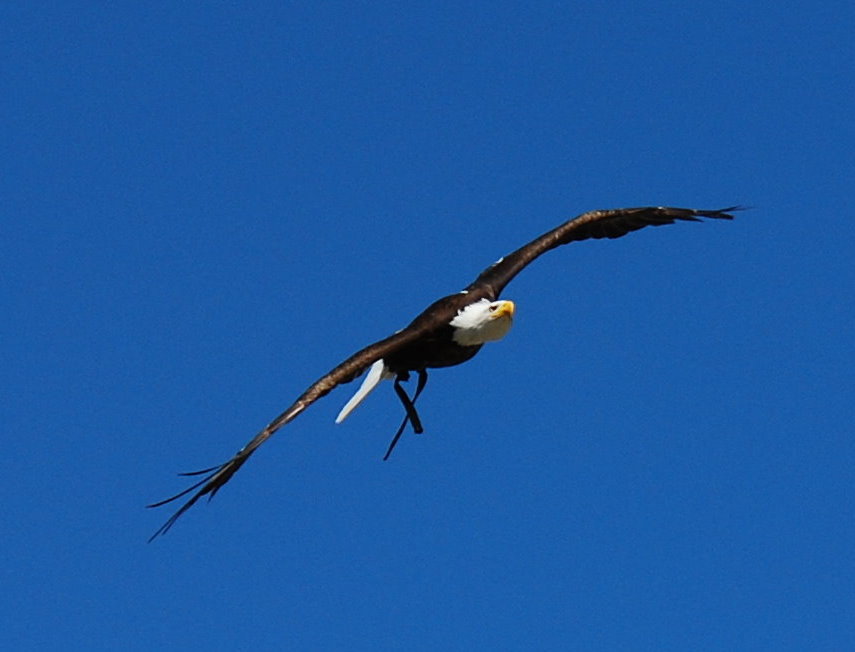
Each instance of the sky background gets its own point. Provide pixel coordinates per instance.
(206, 206)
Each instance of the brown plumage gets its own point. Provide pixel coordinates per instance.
(427, 342)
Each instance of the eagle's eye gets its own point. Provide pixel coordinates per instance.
(493, 308)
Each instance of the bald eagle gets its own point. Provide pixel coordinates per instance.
(448, 332)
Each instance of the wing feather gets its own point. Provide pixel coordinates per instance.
(219, 475)
(594, 224)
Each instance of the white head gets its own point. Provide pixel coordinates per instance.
(483, 321)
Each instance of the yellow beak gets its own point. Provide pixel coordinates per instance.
(505, 309)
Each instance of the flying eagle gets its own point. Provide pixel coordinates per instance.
(448, 332)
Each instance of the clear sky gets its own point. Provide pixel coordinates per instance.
(206, 206)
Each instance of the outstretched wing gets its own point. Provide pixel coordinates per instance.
(594, 224)
(217, 476)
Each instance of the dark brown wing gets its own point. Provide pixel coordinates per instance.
(217, 476)
(595, 224)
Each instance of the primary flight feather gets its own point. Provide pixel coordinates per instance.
(448, 332)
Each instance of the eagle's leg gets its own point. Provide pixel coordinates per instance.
(409, 406)
(420, 385)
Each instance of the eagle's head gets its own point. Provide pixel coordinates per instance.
(482, 321)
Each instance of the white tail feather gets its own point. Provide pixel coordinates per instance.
(376, 373)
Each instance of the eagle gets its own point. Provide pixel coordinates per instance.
(448, 332)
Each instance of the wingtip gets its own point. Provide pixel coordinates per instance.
(718, 213)
(725, 212)
(209, 485)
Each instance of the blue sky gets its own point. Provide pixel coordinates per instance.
(207, 206)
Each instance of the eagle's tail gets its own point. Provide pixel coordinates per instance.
(376, 373)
